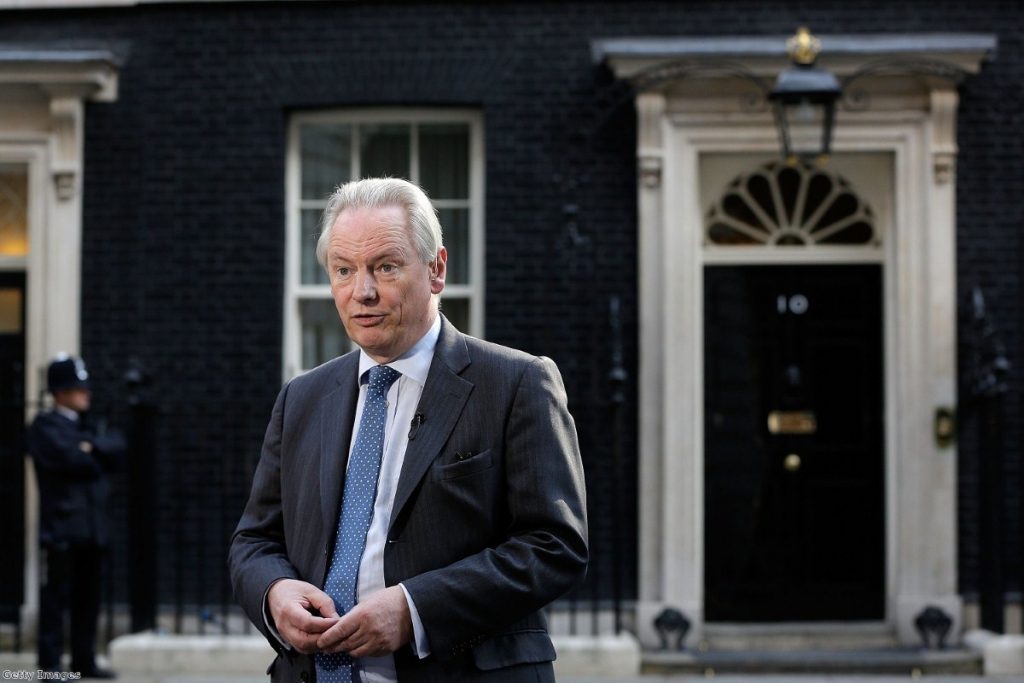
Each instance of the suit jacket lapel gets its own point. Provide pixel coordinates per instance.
(444, 395)
(337, 413)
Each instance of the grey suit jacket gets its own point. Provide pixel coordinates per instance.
(488, 524)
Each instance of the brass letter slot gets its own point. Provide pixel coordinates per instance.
(792, 422)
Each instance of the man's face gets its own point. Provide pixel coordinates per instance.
(78, 400)
(383, 291)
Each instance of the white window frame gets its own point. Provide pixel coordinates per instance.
(295, 291)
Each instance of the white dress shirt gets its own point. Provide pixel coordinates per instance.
(402, 399)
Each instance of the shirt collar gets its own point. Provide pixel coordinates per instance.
(66, 412)
(414, 363)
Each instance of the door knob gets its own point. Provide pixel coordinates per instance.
(792, 462)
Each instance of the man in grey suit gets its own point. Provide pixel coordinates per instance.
(410, 522)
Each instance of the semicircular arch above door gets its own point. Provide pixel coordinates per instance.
(778, 205)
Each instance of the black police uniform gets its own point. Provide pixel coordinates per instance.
(72, 464)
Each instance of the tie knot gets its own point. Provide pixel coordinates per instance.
(381, 378)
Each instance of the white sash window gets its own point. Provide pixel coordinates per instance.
(440, 150)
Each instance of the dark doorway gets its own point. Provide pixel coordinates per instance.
(794, 458)
(12, 451)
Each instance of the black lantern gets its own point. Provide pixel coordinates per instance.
(804, 98)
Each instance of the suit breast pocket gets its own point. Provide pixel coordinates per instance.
(464, 468)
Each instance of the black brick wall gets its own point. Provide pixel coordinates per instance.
(184, 203)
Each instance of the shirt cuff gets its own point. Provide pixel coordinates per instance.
(271, 628)
(420, 643)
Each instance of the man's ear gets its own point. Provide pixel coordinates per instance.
(438, 271)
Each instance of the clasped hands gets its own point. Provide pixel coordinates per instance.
(306, 618)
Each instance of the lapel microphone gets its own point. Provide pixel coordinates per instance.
(417, 420)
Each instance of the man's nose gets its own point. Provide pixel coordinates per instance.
(366, 287)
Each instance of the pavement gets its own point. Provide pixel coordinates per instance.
(20, 666)
(125, 677)
(20, 672)
(787, 678)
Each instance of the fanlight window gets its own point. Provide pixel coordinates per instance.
(786, 205)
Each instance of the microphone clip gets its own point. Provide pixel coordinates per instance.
(414, 426)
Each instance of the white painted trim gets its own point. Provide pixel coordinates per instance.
(684, 382)
(917, 227)
(650, 160)
(865, 45)
(311, 291)
(473, 291)
(804, 254)
(477, 287)
(34, 156)
(765, 56)
(47, 135)
(291, 330)
(460, 291)
(13, 263)
(39, 306)
(78, 74)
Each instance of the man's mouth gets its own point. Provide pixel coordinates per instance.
(368, 319)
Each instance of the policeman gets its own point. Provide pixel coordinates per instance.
(72, 463)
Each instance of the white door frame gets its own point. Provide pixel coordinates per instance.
(42, 126)
(915, 124)
(33, 154)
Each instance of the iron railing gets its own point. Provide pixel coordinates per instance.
(182, 489)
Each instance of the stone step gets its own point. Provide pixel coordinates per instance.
(799, 636)
(900, 661)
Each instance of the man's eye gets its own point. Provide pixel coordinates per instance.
(343, 271)
(387, 268)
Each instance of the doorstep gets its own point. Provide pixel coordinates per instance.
(900, 661)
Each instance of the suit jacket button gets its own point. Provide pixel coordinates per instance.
(304, 677)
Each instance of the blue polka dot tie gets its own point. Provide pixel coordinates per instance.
(356, 513)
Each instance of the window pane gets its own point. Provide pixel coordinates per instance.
(13, 210)
(455, 228)
(457, 312)
(384, 150)
(444, 160)
(326, 157)
(373, 143)
(323, 336)
(312, 273)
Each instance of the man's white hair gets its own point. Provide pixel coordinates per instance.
(374, 193)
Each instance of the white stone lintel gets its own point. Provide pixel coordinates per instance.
(764, 56)
(86, 74)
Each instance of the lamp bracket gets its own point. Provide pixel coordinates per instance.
(857, 99)
(678, 70)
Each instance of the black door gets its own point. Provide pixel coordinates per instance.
(794, 462)
(12, 452)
